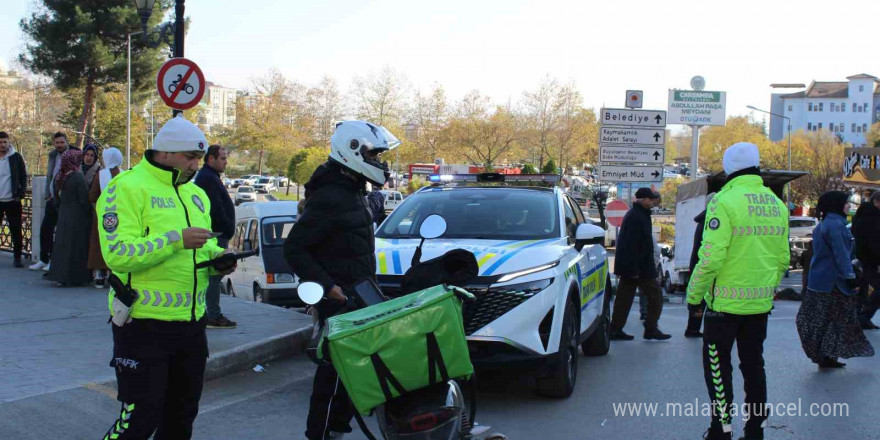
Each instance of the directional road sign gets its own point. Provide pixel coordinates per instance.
(693, 107)
(181, 84)
(615, 211)
(630, 173)
(631, 154)
(631, 136)
(633, 118)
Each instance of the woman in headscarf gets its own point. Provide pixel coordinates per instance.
(69, 260)
(90, 165)
(112, 163)
(827, 321)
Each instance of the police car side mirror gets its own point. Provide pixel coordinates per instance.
(310, 292)
(588, 235)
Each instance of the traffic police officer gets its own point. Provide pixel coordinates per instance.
(156, 226)
(743, 256)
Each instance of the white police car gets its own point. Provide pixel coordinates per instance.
(541, 290)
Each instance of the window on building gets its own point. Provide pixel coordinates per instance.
(864, 128)
(842, 127)
(809, 106)
(789, 107)
(820, 106)
(853, 127)
(820, 126)
(861, 88)
(865, 107)
(809, 126)
(843, 108)
(854, 107)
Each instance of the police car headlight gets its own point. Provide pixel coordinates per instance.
(273, 278)
(530, 288)
(524, 272)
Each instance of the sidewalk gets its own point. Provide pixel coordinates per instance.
(58, 338)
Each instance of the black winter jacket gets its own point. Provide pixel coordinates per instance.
(18, 175)
(866, 230)
(332, 241)
(222, 209)
(698, 240)
(635, 247)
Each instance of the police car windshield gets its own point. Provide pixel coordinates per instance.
(478, 213)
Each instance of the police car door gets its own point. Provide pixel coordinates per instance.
(588, 270)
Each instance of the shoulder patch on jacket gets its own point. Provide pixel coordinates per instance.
(198, 202)
(714, 223)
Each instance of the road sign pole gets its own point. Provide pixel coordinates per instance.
(695, 151)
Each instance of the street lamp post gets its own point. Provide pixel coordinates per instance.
(128, 106)
(788, 124)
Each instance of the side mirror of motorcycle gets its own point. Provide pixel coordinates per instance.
(432, 226)
(310, 292)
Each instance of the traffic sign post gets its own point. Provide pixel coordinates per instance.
(632, 143)
(615, 211)
(181, 84)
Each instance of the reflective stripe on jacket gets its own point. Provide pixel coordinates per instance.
(143, 215)
(744, 251)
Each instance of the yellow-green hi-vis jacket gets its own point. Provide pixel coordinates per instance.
(745, 249)
(143, 214)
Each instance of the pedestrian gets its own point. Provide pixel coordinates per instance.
(827, 321)
(90, 164)
(743, 255)
(222, 221)
(112, 163)
(634, 267)
(332, 243)
(50, 213)
(13, 183)
(377, 204)
(866, 229)
(155, 228)
(70, 256)
(695, 311)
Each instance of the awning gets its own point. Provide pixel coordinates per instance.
(773, 179)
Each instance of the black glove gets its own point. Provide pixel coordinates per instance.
(852, 284)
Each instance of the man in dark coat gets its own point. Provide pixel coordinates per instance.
(634, 267)
(866, 230)
(222, 221)
(332, 244)
(13, 183)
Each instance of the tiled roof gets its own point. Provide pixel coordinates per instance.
(862, 76)
(828, 90)
(794, 95)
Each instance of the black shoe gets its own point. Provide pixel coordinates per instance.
(655, 333)
(724, 436)
(643, 316)
(221, 323)
(831, 363)
(693, 334)
(619, 335)
(17, 263)
(868, 325)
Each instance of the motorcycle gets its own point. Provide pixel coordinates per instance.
(436, 412)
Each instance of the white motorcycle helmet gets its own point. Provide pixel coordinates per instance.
(353, 139)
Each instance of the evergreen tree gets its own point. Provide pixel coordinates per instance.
(82, 44)
(549, 167)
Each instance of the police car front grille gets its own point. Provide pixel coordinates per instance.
(490, 305)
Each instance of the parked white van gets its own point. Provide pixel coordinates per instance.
(392, 199)
(264, 277)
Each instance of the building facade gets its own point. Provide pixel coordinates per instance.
(218, 106)
(846, 108)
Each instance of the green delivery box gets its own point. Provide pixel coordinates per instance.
(404, 344)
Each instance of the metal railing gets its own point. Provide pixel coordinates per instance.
(26, 216)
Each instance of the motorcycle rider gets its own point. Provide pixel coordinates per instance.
(332, 244)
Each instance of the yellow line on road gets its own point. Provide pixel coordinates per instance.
(103, 389)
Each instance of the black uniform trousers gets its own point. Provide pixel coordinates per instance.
(160, 369)
(11, 210)
(47, 231)
(329, 408)
(721, 330)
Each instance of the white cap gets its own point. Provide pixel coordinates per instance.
(179, 135)
(740, 156)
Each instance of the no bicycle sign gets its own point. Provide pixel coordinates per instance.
(181, 84)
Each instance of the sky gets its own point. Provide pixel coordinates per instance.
(503, 48)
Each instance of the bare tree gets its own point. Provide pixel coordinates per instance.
(325, 105)
(482, 136)
(429, 117)
(380, 98)
(541, 117)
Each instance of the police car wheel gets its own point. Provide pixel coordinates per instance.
(599, 342)
(563, 374)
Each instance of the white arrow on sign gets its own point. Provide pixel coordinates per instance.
(631, 154)
(632, 136)
(630, 173)
(635, 118)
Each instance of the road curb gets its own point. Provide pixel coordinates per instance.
(244, 357)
